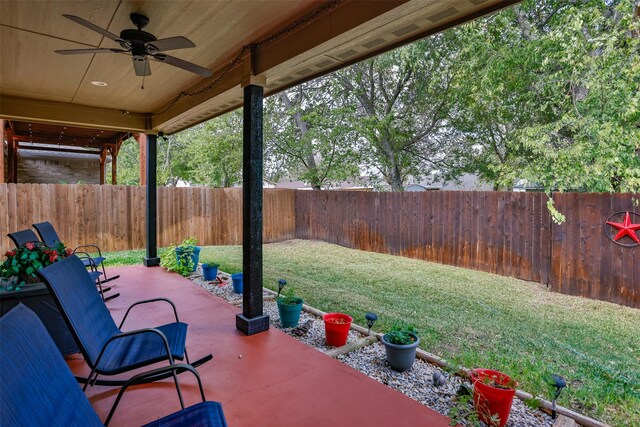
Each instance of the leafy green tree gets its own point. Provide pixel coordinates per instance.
(128, 172)
(206, 154)
(402, 100)
(211, 152)
(307, 136)
(549, 92)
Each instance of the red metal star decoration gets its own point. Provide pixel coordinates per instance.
(626, 228)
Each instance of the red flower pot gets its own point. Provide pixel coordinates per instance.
(336, 328)
(493, 394)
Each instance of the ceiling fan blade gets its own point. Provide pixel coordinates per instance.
(94, 27)
(185, 65)
(101, 50)
(141, 66)
(171, 43)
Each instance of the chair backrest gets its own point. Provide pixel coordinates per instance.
(38, 389)
(47, 233)
(23, 236)
(80, 304)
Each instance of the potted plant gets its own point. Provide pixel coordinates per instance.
(210, 270)
(19, 269)
(401, 345)
(493, 394)
(289, 308)
(188, 253)
(183, 259)
(20, 285)
(336, 328)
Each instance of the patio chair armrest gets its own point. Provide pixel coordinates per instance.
(85, 255)
(146, 301)
(141, 378)
(90, 245)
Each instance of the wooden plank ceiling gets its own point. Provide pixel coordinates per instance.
(292, 41)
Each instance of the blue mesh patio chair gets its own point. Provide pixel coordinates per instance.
(106, 348)
(49, 237)
(38, 388)
(23, 237)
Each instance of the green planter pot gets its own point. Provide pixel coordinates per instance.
(290, 313)
(401, 357)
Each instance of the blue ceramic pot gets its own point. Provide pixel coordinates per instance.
(210, 271)
(237, 280)
(193, 253)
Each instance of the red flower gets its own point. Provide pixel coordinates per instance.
(53, 256)
(30, 246)
(10, 253)
(69, 252)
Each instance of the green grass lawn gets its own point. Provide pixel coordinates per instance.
(472, 318)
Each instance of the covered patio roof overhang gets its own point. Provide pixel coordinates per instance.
(253, 48)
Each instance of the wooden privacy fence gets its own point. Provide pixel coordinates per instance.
(509, 234)
(114, 216)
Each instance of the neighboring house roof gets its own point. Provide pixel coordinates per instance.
(524, 185)
(53, 155)
(357, 184)
(466, 182)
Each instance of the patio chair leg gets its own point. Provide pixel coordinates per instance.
(202, 360)
(104, 274)
(110, 279)
(110, 297)
(175, 379)
(88, 379)
(121, 382)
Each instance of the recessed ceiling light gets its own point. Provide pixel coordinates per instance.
(97, 83)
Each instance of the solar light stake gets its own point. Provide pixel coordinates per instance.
(281, 285)
(371, 319)
(559, 383)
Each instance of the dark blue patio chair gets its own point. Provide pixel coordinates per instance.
(23, 237)
(106, 348)
(49, 237)
(38, 389)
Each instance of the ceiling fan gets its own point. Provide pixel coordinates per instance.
(142, 46)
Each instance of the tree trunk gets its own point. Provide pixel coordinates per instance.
(310, 161)
(393, 175)
(395, 180)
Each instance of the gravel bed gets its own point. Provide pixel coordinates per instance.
(224, 290)
(416, 383)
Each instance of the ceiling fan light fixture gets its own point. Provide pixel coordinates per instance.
(99, 83)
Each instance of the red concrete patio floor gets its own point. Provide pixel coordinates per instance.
(268, 379)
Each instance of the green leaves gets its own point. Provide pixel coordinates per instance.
(554, 98)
